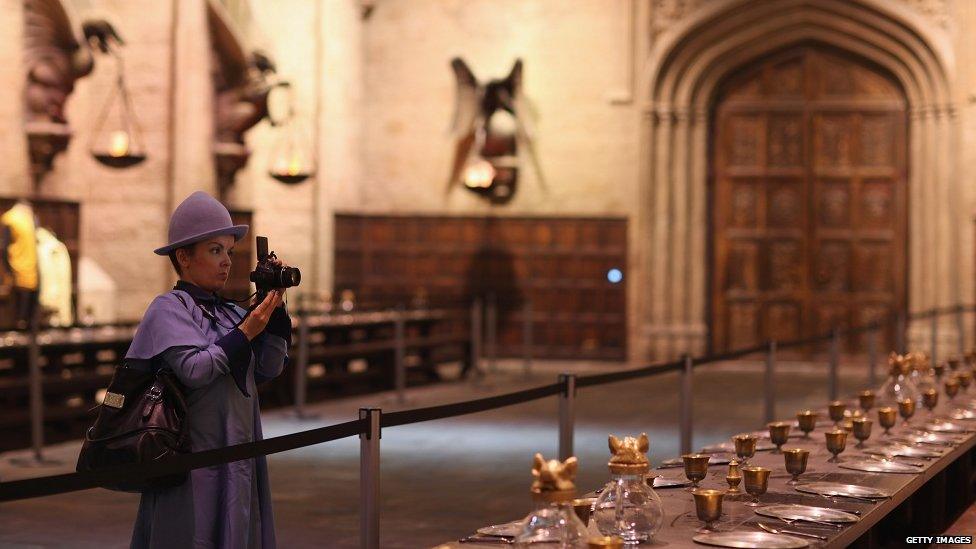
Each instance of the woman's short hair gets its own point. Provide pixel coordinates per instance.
(175, 262)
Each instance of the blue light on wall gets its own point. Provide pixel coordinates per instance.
(615, 275)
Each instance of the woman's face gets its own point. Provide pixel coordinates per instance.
(207, 263)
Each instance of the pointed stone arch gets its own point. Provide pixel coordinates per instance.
(686, 64)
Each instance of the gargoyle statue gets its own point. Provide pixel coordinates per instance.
(553, 475)
(490, 122)
(629, 451)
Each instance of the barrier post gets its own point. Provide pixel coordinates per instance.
(900, 329)
(686, 409)
(301, 368)
(769, 383)
(834, 361)
(960, 330)
(935, 337)
(369, 480)
(873, 334)
(527, 326)
(476, 336)
(36, 392)
(491, 318)
(399, 355)
(567, 414)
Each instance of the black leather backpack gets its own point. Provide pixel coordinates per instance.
(142, 418)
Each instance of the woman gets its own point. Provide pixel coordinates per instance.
(219, 352)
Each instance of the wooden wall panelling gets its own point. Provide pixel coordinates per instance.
(560, 264)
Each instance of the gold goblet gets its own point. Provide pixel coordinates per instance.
(951, 388)
(836, 410)
(708, 505)
(866, 400)
(779, 433)
(807, 422)
(939, 370)
(696, 468)
(906, 409)
(745, 447)
(796, 463)
(756, 480)
(887, 417)
(954, 363)
(930, 398)
(862, 430)
(836, 442)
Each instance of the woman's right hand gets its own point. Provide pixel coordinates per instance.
(255, 322)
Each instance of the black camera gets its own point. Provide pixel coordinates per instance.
(268, 276)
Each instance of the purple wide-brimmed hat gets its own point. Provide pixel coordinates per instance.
(198, 217)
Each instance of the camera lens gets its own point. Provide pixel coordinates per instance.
(290, 276)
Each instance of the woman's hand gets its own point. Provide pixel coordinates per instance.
(255, 322)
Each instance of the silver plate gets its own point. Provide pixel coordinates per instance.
(963, 414)
(715, 459)
(903, 451)
(934, 439)
(729, 448)
(759, 540)
(664, 482)
(806, 512)
(946, 427)
(509, 529)
(874, 466)
(838, 489)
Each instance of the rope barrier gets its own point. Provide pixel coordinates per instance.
(71, 482)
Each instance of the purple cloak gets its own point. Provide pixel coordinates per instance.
(194, 334)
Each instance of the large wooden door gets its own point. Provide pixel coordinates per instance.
(808, 198)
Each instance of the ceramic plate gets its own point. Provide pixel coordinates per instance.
(875, 466)
(963, 414)
(838, 489)
(509, 529)
(806, 512)
(759, 540)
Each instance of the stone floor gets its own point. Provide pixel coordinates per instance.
(441, 479)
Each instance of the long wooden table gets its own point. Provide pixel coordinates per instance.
(922, 504)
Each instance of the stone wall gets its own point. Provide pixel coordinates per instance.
(376, 96)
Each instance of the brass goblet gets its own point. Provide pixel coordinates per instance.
(954, 363)
(708, 506)
(939, 370)
(930, 398)
(951, 388)
(745, 447)
(796, 463)
(696, 468)
(836, 442)
(807, 422)
(756, 481)
(906, 409)
(836, 410)
(862, 430)
(965, 380)
(887, 417)
(866, 400)
(779, 433)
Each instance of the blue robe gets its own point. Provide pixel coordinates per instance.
(193, 333)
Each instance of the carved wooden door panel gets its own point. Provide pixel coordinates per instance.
(808, 198)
